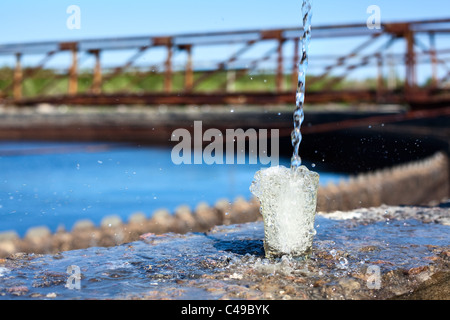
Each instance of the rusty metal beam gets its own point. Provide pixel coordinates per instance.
(168, 69)
(97, 74)
(254, 63)
(238, 98)
(189, 71)
(18, 77)
(342, 59)
(73, 74)
(73, 70)
(434, 60)
(410, 60)
(238, 36)
(280, 74)
(29, 72)
(364, 61)
(127, 64)
(295, 62)
(380, 78)
(223, 65)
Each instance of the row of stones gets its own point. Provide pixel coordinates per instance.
(113, 231)
(415, 183)
(421, 182)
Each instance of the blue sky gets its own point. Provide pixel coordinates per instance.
(31, 20)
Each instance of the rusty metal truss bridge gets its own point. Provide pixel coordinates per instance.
(405, 62)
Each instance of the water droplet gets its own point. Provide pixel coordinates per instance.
(343, 263)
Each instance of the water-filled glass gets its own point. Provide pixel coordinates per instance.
(288, 199)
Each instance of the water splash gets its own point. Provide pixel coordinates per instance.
(288, 205)
(296, 136)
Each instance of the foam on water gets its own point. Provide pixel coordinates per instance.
(288, 204)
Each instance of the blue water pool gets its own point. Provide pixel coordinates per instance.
(56, 184)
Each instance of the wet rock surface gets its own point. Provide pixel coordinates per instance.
(378, 253)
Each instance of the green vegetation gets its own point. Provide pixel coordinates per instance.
(51, 82)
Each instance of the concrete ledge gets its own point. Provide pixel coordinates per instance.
(419, 183)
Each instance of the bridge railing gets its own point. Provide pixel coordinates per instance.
(402, 61)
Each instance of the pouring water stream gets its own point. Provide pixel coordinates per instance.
(289, 196)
